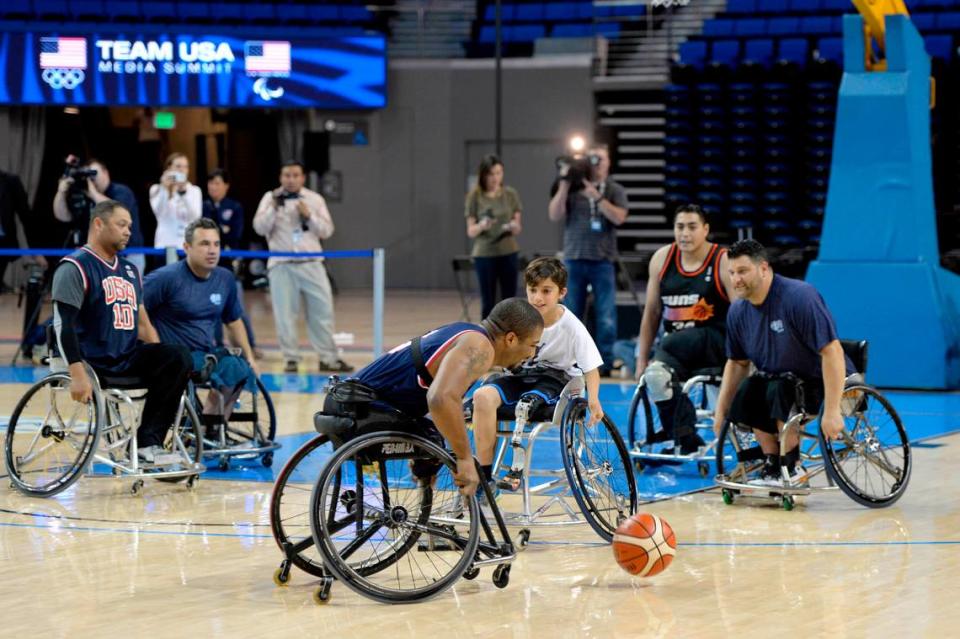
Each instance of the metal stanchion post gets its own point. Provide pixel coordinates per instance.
(378, 294)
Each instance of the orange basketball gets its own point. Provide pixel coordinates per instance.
(644, 545)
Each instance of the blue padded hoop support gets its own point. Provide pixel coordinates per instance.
(879, 264)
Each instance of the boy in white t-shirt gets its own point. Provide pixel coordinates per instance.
(566, 350)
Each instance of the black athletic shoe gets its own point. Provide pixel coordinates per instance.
(339, 366)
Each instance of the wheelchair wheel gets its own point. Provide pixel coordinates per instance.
(368, 514)
(739, 456)
(642, 419)
(290, 505)
(50, 438)
(598, 469)
(871, 464)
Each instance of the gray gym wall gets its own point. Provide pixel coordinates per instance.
(405, 190)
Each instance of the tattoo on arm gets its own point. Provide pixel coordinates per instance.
(476, 362)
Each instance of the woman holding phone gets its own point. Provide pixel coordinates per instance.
(175, 201)
(493, 211)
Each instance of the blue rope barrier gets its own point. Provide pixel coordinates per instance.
(159, 251)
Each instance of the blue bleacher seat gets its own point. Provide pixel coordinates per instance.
(758, 51)
(816, 25)
(293, 13)
(718, 28)
(193, 11)
(323, 13)
(16, 9)
(750, 27)
(608, 29)
(352, 13)
(258, 13)
(86, 9)
(844, 6)
(793, 50)
(528, 12)
(804, 6)
(524, 33)
(725, 52)
(939, 46)
(830, 49)
(693, 53)
(774, 7)
(572, 31)
(506, 13)
(783, 26)
(560, 11)
(158, 11)
(947, 21)
(634, 10)
(584, 10)
(488, 34)
(742, 6)
(51, 9)
(924, 21)
(125, 11)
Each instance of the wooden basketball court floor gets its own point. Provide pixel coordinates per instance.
(97, 561)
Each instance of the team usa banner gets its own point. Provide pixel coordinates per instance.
(190, 70)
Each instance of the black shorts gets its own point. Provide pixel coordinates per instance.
(692, 349)
(512, 387)
(762, 401)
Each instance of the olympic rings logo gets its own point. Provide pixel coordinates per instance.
(63, 78)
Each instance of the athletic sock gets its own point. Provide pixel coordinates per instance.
(487, 471)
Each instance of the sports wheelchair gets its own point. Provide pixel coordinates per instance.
(870, 463)
(384, 516)
(52, 440)
(596, 466)
(644, 430)
(248, 433)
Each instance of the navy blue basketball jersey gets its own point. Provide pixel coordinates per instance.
(394, 376)
(107, 323)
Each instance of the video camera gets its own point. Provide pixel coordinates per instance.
(77, 201)
(73, 168)
(576, 168)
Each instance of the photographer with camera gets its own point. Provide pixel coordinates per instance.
(175, 201)
(83, 186)
(591, 206)
(493, 221)
(294, 219)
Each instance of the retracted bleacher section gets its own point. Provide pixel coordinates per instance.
(751, 109)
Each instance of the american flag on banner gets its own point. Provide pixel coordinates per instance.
(63, 53)
(267, 57)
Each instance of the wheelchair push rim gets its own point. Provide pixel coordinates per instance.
(51, 438)
(599, 470)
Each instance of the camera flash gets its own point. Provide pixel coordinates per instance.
(577, 143)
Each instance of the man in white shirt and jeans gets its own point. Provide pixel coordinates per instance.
(294, 219)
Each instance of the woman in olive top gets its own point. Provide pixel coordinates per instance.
(493, 221)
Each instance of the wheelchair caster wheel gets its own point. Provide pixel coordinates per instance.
(224, 464)
(322, 594)
(281, 576)
(703, 468)
(727, 496)
(471, 573)
(501, 576)
(787, 502)
(267, 460)
(192, 482)
(137, 487)
(523, 538)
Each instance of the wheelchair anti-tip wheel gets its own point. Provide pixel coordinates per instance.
(50, 438)
(598, 469)
(871, 463)
(385, 533)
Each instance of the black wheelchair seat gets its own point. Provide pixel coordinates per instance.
(336, 427)
(713, 371)
(122, 383)
(856, 350)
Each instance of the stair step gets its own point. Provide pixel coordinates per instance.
(642, 135)
(644, 190)
(633, 121)
(632, 108)
(646, 206)
(638, 177)
(646, 219)
(665, 234)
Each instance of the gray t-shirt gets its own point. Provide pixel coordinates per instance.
(588, 234)
(68, 285)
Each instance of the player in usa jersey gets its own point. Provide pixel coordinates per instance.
(99, 318)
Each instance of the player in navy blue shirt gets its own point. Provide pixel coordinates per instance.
(781, 325)
(99, 318)
(189, 300)
(454, 357)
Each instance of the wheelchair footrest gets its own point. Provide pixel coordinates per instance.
(511, 481)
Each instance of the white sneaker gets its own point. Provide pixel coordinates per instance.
(772, 477)
(157, 455)
(799, 477)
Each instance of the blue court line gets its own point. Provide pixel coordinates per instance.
(767, 544)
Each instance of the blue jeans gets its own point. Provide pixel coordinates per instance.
(491, 271)
(601, 277)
